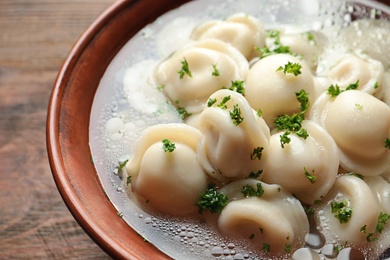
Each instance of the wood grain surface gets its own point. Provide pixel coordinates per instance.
(35, 37)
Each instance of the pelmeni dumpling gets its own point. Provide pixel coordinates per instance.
(234, 137)
(309, 45)
(169, 181)
(192, 74)
(243, 31)
(349, 213)
(272, 216)
(352, 68)
(272, 90)
(360, 124)
(305, 167)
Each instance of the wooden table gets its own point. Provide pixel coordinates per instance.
(35, 37)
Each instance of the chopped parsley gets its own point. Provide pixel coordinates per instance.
(235, 115)
(309, 210)
(266, 248)
(382, 220)
(334, 90)
(369, 237)
(122, 165)
(363, 229)
(265, 52)
(128, 180)
(238, 86)
(387, 143)
(284, 139)
(291, 68)
(183, 113)
(356, 175)
(257, 152)
(310, 37)
(212, 200)
(185, 70)
(215, 72)
(303, 99)
(168, 146)
(255, 175)
(249, 191)
(120, 214)
(376, 85)
(222, 104)
(259, 113)
(211, 102)
(309, 176)
(359, 106)
(293, 123)
(343, 213)
(353, 86)
(287, 248)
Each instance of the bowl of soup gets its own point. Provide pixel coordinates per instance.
(228, 129)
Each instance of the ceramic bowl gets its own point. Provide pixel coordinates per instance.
(68, 123)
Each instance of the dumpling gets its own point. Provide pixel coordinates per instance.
(352, 68)
(307, 44)
(234, 137)
(272, 90)
(169, 179)
(360, 124)
(270, 218)
(190, 75)
(305, 167)
(349, 214)
(242, 31)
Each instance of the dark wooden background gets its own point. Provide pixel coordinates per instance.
(35, 37)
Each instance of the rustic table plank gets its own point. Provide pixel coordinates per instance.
(35, 37)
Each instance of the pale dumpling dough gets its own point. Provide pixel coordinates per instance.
(363, 218)
(242, 31)
(275, 218)
(191, 92)
(169, 182)
(226, 148)
(352, 68)
(317, 155)
(359, 123)
(273, 91)
(309, 49)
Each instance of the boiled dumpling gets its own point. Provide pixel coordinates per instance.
(352, 68)
(270, 218)
(273, 91)
(168, 181)
(242, 31)
(360, 124)
(234, 137)
(305, 167)
(192, 74)
(349, 213)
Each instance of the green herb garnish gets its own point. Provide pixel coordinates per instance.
(382, 220)
(309, 176)
(291, 68)
(255, 175)
(185, 70)
(211, 102)
(215, 72)
(249, 191)
(257, 153)
(168, 146)
(343, 213)
(212, 200)
(238, 86)
(183, 113)
(222, 104)
(235, 115)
